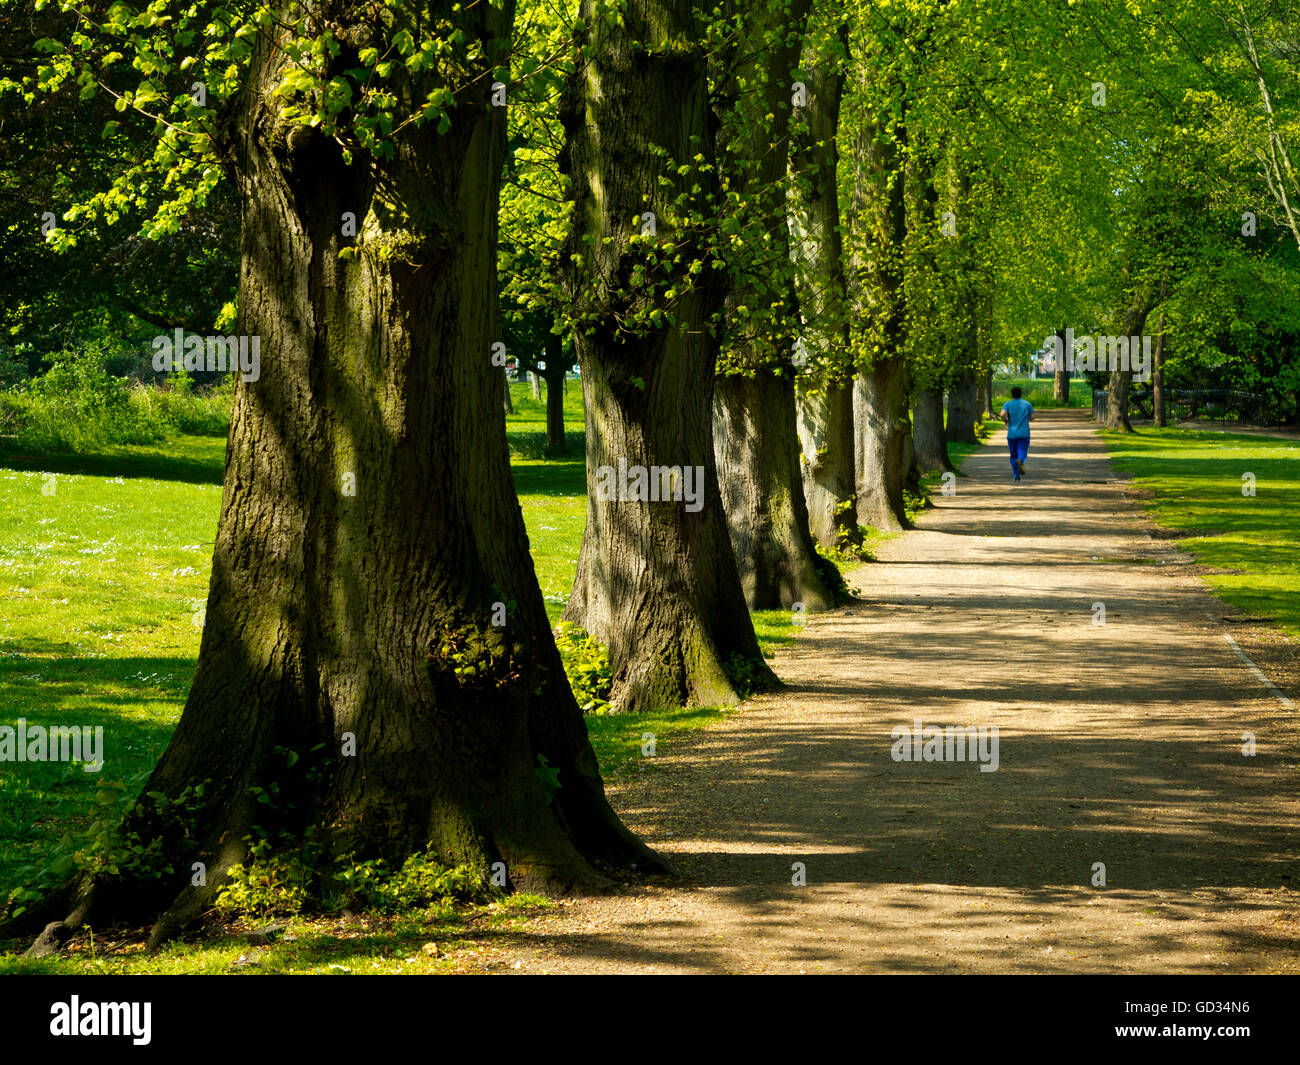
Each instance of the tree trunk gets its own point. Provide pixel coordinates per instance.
(656, 581)
(368, 525)
(555, 373)
(1135, 319)
(762, 493)
(1158, 377)
(825, 424)
(823, 395)
(927, 431)
(507, 404)
(878, 224)
(962, 410)
(1061, 375)
(755, 439)
(535, 379)
(882, 423)
(983, 401)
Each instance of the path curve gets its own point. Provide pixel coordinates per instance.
(1118, 743)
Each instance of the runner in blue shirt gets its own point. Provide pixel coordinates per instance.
(1017, 413)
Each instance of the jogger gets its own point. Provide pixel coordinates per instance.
(1017, 413)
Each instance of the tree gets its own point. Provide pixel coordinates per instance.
(880, 411)
(657, 579)
(755, 436)
(824, 393)
(352, 669)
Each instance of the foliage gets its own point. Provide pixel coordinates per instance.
(106, 848)
(586, 662)
(281, 884)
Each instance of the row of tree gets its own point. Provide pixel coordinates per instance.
(776, 234)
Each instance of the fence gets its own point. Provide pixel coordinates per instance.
(1210, 405)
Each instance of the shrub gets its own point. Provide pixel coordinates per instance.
(586, 662)
(79, 406)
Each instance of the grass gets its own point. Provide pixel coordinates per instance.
(1038, 390)
(1197, 481)
(104, 565)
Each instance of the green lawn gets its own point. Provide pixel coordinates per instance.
(1038, 390)
(104, 571)
(1197, 478)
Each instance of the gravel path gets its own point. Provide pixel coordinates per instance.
(1118, 743)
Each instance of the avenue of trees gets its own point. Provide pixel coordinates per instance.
(786, 242)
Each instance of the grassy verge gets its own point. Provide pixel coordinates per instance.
(1197, 481)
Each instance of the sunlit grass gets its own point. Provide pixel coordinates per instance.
(1197, 478)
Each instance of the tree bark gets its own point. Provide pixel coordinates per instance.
(882, 426)
(657, 581)
(1135, 319)
(755, 439)
(762, 493)
(983, 401)
(927, 431)
(368, 525)
(823, 395)
(1061, 375)
(878, 218)
(825, 424)
(1158, 378)
(962, 410)
(555, 374)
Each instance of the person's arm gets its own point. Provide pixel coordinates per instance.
(1003, 415)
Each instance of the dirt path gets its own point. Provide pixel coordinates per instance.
(1119, 744)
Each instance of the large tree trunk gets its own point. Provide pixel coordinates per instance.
(656, 581)
(762, 493)
(825, 424)
(824, 395)
(878, 224)
(755, 439)
(555, 443)
(1061, 374)
(368, 525)
(882, 426)
(1135, 319)
(962, 410)
(927, 431)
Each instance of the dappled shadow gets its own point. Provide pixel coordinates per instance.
(1119, 743)
(122, 462)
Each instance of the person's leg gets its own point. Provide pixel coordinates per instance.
(1022, 450)
(1012, 446)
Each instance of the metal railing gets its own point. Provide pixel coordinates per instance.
(1214, 405)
